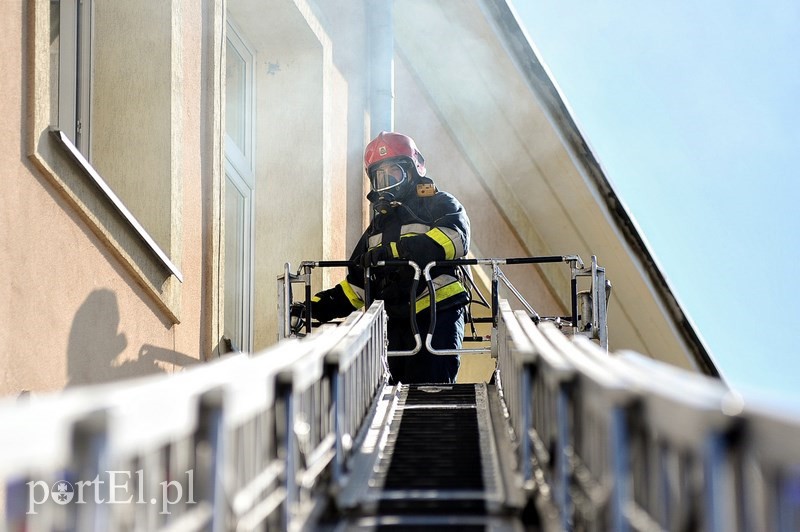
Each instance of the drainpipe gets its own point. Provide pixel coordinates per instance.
(380, 32)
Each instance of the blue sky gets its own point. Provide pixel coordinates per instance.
(693, 109)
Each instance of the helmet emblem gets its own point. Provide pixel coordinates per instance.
(382, 150)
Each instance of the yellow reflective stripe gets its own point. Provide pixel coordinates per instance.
(355, 300)
(442, 293)
(455, 238)
(443, 240)
(315, 299)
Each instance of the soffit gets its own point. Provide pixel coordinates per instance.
(275, 25)
(531, 168)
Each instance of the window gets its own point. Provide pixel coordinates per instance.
(109, 71)
(239, 189)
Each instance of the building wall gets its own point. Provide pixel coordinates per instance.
(73, 309)
(83, 299)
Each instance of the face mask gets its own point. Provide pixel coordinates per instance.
(387, 176)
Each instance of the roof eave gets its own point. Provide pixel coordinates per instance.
(526, 57)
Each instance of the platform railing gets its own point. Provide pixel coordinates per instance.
(588, 304)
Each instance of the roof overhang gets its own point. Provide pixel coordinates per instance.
(484, 78)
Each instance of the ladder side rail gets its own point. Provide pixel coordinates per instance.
(203, 444)
(552, 428)
(252, 477)
(514, 353)
(604, 402)
(308, 426)
(691, 421)
(359, 366)
(768, 468)
(151, 434)
(179, 440)
(38, 450)
(79, 433)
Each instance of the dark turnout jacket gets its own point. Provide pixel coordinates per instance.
(424, 229)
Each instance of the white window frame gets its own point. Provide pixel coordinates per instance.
(74, 72)
(240, 173)
(243, 159)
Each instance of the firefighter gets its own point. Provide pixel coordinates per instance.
(412, 220)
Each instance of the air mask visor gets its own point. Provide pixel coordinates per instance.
(387, 176)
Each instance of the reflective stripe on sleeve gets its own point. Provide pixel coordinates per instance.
(449, 240)
(353, 293)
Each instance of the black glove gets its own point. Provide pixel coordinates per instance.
(297, 317)
(329, 305)
(375, 255)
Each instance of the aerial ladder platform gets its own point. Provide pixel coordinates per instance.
(442, 456)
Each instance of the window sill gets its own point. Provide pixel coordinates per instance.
(123, 211)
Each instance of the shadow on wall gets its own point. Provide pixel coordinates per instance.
(95, 342)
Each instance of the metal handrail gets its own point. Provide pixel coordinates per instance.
(497, 275)
(597, 322)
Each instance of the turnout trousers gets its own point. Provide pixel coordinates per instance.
(425, 367)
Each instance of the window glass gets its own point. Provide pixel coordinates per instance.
(131, 102)
(106, 127)
(111, 93)
(235, 210)
(235, 93)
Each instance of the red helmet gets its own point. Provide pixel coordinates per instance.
(388, 145)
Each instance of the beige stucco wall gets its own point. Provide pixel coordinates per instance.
(68, 298)
(301, 150)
